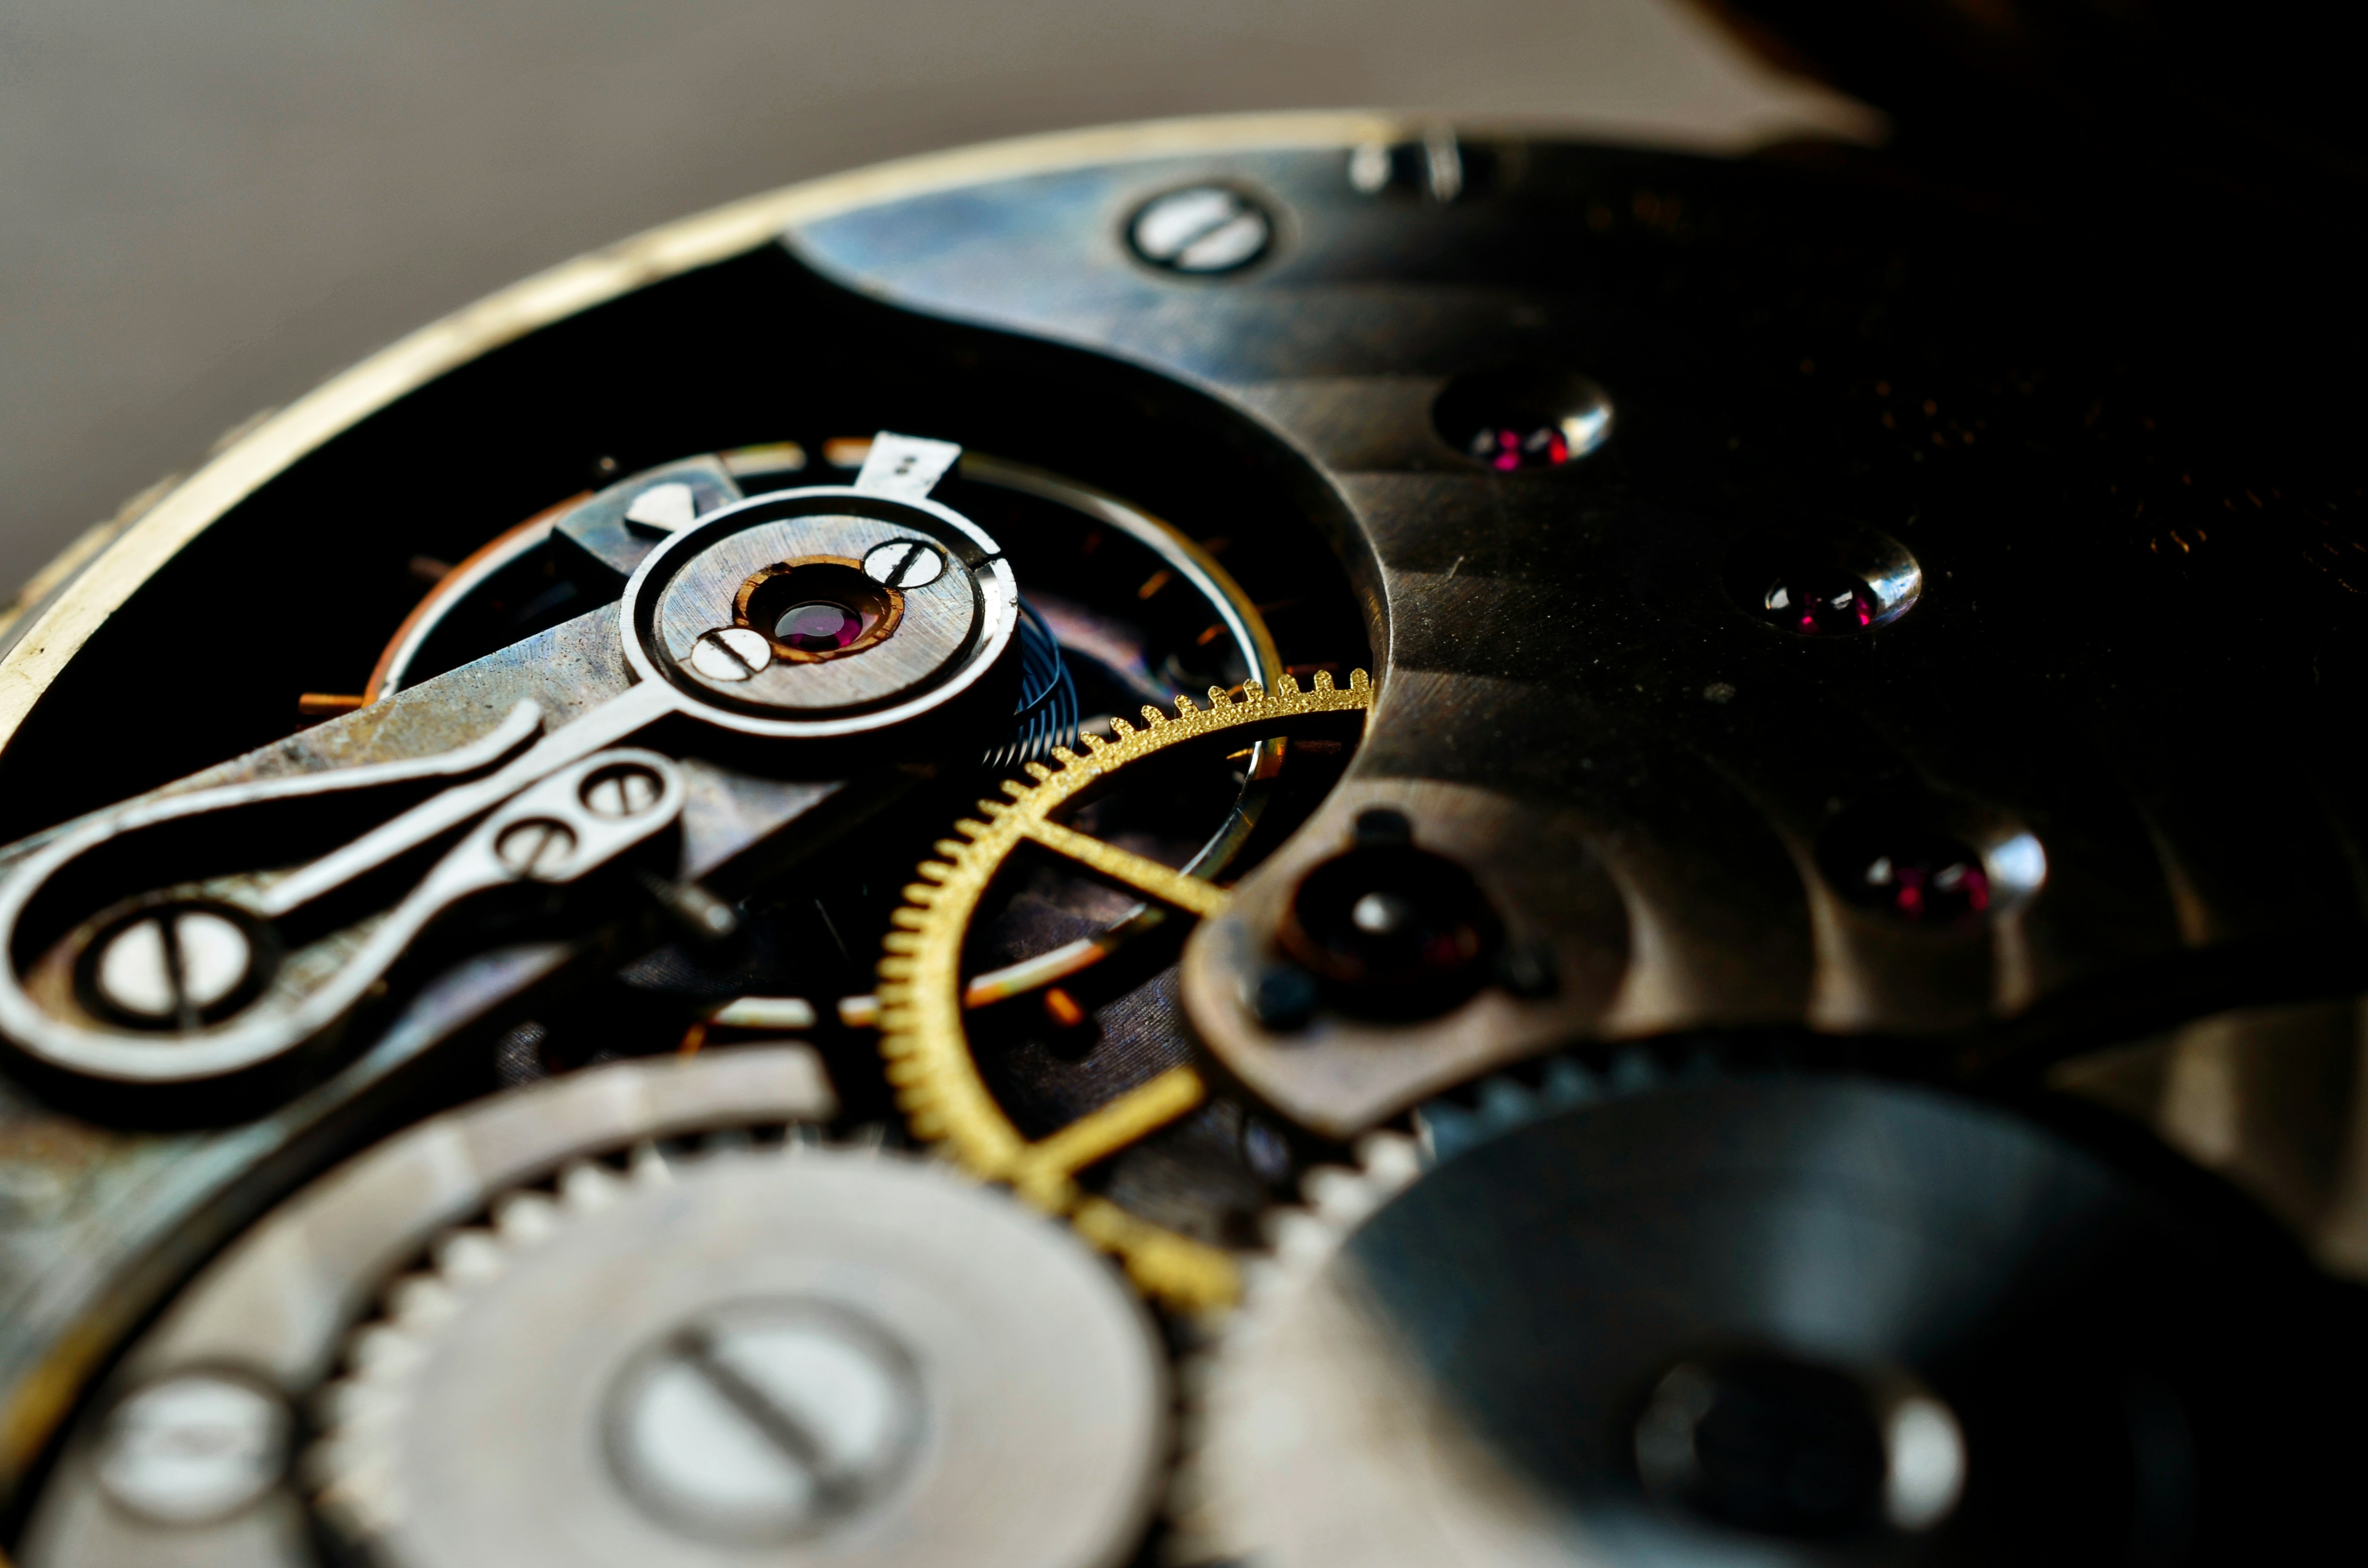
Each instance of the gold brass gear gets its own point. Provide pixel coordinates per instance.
(945, 1099)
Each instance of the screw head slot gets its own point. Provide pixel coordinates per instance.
(764, 1421)
(175, 964)
(193, 1448)
(1202, 230)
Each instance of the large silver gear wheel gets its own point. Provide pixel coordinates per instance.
(1751, 1319)
(830, 1355)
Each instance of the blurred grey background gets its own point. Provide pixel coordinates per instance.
(207, 206)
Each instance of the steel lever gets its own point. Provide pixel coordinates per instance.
(200, 982)
(228, 963)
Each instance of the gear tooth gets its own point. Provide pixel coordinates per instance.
(420, 1300)
(909, 919)
(1568, 1082)
(921, 893)
(935, 871)
(894, 968)
(991, 810)
(1094, 742)
(1360, 681)
(360, 1504)
(649, 1166)
(1323, 680)
(380, 1352)
(1184, 708)
(952, 849)
(1633, 1071)
(1391, 1160)
(469, 1256)
(1505, 1104)
(1218, 700)
(970, 829)
(1066, 758)
(587, 1187)
(1153, 716)
(525, 1217)
(1296, 1235)
(906, 1027)
(1253, 690)
(1338, 1195)
(1286, 685)
(1015, 789)
(1121, 729)
(1448, 1129)
(349, 1402)
(1037, 771)
(907, 1070)
(901, 942)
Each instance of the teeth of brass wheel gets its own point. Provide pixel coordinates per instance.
(938, 1084)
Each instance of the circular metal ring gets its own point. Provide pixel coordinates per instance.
(953, 631)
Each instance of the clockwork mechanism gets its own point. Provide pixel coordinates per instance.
(1303, 840)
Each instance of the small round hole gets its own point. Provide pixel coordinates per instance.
(821, 607)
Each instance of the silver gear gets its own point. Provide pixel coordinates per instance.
(1282, 1418)
(1317, 1436)
(1303, 1424)
(838, 1355)
(1750, 1317)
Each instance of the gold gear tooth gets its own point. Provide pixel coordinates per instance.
(1286, 685)
(945, 1100)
